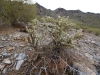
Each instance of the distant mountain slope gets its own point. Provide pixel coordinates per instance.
(42, 11)
(90, 19)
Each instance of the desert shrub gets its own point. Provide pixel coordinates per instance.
(57, 29)
(31, 29)
(51, 58)
(78, 34)
(12, 11)
(48, 19)
(60, 34)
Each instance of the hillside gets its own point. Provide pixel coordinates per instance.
(18, 57)
(51, 45)
(88, 19)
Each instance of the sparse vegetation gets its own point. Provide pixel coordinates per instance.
(91, 29)
(56, 45)
(58, 31)
(14, 11)
(89, 21)
(78, 34)
(32, 32)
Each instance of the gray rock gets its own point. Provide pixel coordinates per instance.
(7, 61)
(8, 39)
(4, 71)
(93, 42)
(21, 45)
(15, 55)
(3, 39)
(18, 64)
(82, 70)
(89, 56)
(2, 46)
(20, 59)
(21, 56)
(97, 57)
(5, 54)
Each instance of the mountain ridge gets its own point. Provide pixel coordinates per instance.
(65, 9)
(89, 18)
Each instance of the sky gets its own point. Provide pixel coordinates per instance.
(83, 5)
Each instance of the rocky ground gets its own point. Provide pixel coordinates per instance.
(15, 53)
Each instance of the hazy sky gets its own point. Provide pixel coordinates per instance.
(83, 5)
